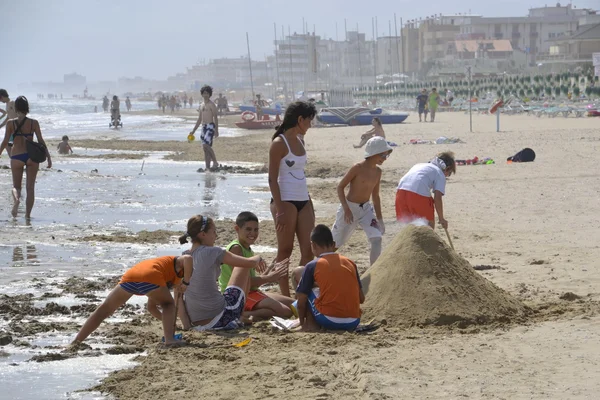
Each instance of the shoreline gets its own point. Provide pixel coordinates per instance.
(518, 218)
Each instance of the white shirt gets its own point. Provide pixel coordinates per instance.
(422, 179)
(292, 181)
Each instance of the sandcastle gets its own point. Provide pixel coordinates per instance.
(419, 280)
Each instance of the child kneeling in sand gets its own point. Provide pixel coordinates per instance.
(329, 293)
(204, 306)
(258, 304)
(150, 278)
(413, 197)
(355, 208)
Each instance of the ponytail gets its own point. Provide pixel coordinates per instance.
(294, 111)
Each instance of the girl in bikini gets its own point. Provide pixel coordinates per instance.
(23, 129)
(151, 278)
(291, 206)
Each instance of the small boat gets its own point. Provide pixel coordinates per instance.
(265, 110)
(358, 116)
(249, 121)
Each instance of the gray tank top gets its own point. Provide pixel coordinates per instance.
(203, 300)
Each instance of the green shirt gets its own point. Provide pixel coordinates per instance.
(227, 269)
(433, 100)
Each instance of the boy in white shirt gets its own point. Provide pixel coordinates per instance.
(413, 197)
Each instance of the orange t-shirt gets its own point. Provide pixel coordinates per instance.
(338, 282)
(158, 271)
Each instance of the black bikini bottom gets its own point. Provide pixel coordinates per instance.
(298, 204)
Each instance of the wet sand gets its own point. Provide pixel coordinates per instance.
(534, 224)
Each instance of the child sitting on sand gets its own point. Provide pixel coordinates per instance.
(258, 304)
(151, 278)
(413, 197)
(63, 147)
(355, 208)
(204, 306)
(329, 293)
(376, 131)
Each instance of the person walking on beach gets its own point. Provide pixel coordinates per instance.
(434, 101)
(209, 120)
(377, 130)
(422, 100)
(291, 206)
(128, 104)
(105, 104)
(23, 129)
(191, 101)
(10, 113)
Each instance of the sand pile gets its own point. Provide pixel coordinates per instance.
(419, 280)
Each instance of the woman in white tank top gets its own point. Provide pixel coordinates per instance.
(291, 206)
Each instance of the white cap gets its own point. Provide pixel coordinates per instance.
(377, 145)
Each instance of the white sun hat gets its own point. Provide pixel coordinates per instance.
(377, 145)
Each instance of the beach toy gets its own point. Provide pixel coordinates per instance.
(191, 138)
(177, 336)
(294, 308)
(243, 343)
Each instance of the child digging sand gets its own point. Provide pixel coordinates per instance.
(150, 278)
(413, 197)
(355, 208)
(329, 293)
(63, 147)
(258, 304)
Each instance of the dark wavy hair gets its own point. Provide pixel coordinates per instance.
(22, 105)
(292, 113)
(207, 89)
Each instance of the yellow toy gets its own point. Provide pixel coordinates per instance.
(191, 138)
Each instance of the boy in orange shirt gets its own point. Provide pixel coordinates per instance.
(329, 293)
(151, 278)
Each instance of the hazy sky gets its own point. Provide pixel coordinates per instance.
(104, 40)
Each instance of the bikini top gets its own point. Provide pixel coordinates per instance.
(18, 129)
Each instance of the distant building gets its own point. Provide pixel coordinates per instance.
(531, 33)
(474, 49)
(74, 82)
(576, 47)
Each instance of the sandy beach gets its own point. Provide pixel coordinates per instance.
(535, 224)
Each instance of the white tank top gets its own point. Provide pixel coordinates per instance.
(292, 181)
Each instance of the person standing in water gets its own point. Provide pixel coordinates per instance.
(115, 110)
(209, 120)
(128, 104)
(10, 113)
(105, 104)
(291, 206)
(23, 129)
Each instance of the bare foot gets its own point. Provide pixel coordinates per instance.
(16, 201)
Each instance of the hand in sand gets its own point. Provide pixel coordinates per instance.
(348, 217)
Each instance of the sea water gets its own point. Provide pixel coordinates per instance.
(76, 118)
(83, 196)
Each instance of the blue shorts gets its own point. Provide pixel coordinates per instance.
(139, 288)
(335, 323)
(228, 318)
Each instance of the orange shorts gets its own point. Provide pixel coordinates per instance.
(410, 206)
(253, 298)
